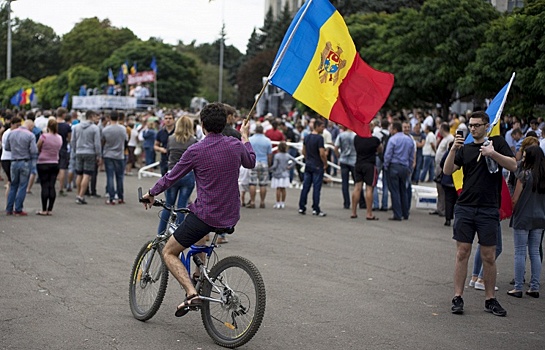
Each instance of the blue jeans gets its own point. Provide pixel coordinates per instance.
(114, 167)
(429, 168)
(532, 240)
(20, 173)
(346, 170)
(397, 184)
(478, 262)
(314, 175)
(181, 189)
(384, 190)
(150, 155)
(418, 167)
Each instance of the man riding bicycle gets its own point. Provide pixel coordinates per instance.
(215, 161)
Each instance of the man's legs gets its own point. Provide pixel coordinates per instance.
(252, 194)
(345, 170)
(119, 176)
(109, 167)
(83, 183)
(171, 251)
(24, 176)
(488, 256)
(307, 182)
(356, 198)
(394, 185)
(317, 180)
(463, 251)
(369, 200)
(262, 194)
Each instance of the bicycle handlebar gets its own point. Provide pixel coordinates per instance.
(161, 203)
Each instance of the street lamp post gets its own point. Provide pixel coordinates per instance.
(8, 55)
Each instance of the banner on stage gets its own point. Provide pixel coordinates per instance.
(141, 77)
(103, 102)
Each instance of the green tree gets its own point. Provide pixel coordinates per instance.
(279, 29)
(250, 74)
(51, 90)
(209, 85)
(35, 48)
(514, 43)
(429, 49)
(350, 7)
(91, 41)
(177, 76)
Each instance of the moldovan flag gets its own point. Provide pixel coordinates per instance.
(64, 102)
(318, 64)
(494, 112)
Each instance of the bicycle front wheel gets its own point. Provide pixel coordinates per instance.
(149, 278)
(239, 285)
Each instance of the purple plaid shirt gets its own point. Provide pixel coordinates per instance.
(216, 161)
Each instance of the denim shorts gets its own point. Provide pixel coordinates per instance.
(481, 220)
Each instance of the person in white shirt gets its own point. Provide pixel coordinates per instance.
(428, 153)
(41, 122)
(444, 130)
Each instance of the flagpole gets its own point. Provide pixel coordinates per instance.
(288, 42)
(255, 103)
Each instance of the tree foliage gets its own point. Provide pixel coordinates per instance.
(177, 76)
(429, 49)
(8, 88)
(350, 7)
(514, 43)
(250, 74)
(91, 41)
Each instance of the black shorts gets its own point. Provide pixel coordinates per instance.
(191, 230)
(64, 159)
(367, 173)
(481, 220)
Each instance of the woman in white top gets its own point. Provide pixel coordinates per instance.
(428, 153)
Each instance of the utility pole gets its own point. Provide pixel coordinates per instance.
(222, 44)
(8, 63)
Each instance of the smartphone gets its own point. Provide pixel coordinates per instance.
(460, 133)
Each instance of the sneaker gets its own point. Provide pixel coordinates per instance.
(276, 206)
(494, 307)
(472, 283)
(110, 202)
(20, 213)
(480, 286)
(457, 305)
(80, 200)
(62, 193)
(302, 211)
(121, 201)
(320, 214)
(282, 206)
(9, 213)
(96, 195)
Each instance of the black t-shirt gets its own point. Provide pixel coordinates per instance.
(366, 149)
(162, 137)
(313, 143)
(64, 129)
(481, 188)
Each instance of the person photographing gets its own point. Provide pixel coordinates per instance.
(477, 208)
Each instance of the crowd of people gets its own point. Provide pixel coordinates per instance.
(67, 150)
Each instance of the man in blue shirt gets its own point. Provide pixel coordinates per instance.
(398, 161)
(161, 141)
(260, 173)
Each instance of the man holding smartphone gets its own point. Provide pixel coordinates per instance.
(477, 208)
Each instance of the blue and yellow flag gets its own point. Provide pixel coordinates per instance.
(111, 80)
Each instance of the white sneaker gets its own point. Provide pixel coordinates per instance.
(276, 206)
(480, 286)
(282, 206)
(471, 283)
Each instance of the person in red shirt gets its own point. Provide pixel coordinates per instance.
(274, 134)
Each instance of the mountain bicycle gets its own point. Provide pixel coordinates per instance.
(232, 289)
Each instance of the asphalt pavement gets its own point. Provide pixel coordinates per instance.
(331, 283)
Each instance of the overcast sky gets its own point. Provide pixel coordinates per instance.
(171, 20)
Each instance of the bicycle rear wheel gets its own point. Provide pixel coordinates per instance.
(236, 320)
(149, 278)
